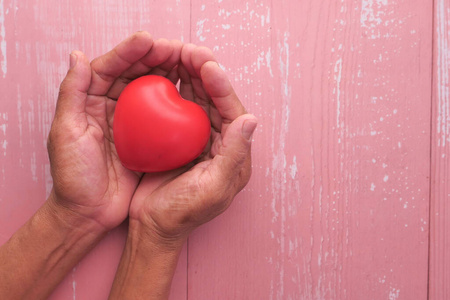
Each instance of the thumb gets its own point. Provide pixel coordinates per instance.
(73, 89)
(235, 152)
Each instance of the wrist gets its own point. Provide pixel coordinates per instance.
(149, 235)
(38, 256)
(68, 220)
(147, 266)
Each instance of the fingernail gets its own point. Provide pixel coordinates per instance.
(73, 60)
(248, 128)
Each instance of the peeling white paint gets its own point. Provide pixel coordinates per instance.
(4, 146)
(284, 64)
(74, 284)
(338, 79)
(3, 127)
(373, 14)
(443, 85)
(33, 164)
(48, 179)
(280, 203)
(370, 12)
(269, 62)
(3, 60)
(394, 294)
(200, 25)
(74, 288)
(293, 168)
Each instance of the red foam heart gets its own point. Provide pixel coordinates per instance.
(155, 129)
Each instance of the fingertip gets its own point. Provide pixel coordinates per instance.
(215, 80)
(249, 126)
(209, 66)
(188, 48)
(177, 44)
(142, 35)
(73, 89)
(140, 42)
(242, 127)
(200, 56)
(235, 151)
(79, 56)
(164, 46)
(250, 118)
(79, 64)
(219, 88)
(163, 41)
(161, 51)
(167, 50)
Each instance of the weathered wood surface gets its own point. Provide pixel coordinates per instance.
(440, 177)
(36, 38)
(338, 205)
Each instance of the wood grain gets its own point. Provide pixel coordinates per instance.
(440, 189)
(36, 38)
(338, 204)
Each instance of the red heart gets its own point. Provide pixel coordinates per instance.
(155, 129)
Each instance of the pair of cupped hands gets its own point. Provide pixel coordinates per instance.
(91, 186)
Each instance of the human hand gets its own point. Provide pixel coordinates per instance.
(88, 179)
(168, 206)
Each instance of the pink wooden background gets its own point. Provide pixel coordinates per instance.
(350, 193)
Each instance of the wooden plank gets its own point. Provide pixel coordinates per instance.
(338, 204)
(36, 38)
(439, 280)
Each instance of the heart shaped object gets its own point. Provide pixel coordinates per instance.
(155, 129)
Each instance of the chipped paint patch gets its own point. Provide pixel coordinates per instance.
(443, 88)
(294, 168)
(3, 61)
(394, 294)
(371, 14)
(200, 29)
(338, 79)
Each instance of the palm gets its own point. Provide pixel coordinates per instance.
(190, 196)
(113, 183)
(87, 173)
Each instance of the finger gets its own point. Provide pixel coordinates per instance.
(232, 162)
(199, 56)
(173, 76)
(160, 60)
(161, 51)
(166, 66)
(186, 54)
(216, 118)
(186, 90)
(190, 55)
(107, 68)
(219, 88)
(74, 87)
